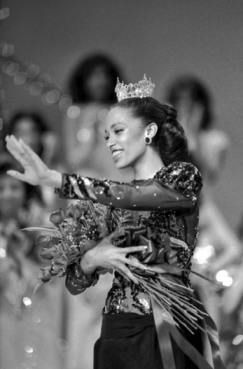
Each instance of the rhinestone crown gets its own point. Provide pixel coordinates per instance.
(143, 88)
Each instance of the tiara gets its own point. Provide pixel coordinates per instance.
(141, 89)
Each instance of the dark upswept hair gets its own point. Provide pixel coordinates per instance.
(84, 69)
(170, 137)
(197, 92)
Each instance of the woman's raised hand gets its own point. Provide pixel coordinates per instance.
(35, 171)
(108, 256)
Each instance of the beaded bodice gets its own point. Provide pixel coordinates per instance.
(164, 205)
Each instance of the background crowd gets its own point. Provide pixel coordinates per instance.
(50, 328)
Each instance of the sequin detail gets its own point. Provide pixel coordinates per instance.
(77, 281)
(177, 187)
(184, 177)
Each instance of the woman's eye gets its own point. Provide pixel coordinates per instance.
(118, 131)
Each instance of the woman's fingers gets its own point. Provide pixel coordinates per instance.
(16, 175)
(16, 155)
(128, 250)
(135, 263)
(15, 145)
(173, 260)
(122, 269)
(27, 150)
(117, 233)
(15, 149)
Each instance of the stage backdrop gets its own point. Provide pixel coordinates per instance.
(162, 38)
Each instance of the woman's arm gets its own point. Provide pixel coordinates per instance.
(176, 188)
(104, 256)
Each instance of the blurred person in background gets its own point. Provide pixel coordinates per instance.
(232, 313)
(218, 244)
(30, 324)
(207, 146)
(92, 88)
(32, 128)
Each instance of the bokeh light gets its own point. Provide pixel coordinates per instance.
(6, 50)
(20, 78)
(223, 277)
(238, 339)
(73, 112)
(27, 301)
(202, 254)
(84, 134)
(2, 253)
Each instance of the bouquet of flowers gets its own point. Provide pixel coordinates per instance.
(74, 233)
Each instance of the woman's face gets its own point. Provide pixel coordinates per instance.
(125, 137)
(26, 129)
(98, 84)
(12, 196)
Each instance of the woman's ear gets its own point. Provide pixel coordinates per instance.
(151, 130)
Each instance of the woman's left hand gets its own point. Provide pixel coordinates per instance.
(106, 255)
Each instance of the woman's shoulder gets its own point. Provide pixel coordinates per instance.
(183, 176)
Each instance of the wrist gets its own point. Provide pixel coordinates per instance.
(52, 179)
(87, 263)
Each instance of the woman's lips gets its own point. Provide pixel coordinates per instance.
(116, 153)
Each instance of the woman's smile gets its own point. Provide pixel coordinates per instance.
(116, 153)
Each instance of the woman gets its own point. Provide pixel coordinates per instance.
(161, 204)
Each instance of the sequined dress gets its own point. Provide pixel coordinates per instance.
(165, 205)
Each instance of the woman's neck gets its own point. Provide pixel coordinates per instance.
(148, 168)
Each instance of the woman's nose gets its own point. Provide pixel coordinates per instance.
(110, 142)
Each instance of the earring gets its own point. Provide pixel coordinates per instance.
(148, 140)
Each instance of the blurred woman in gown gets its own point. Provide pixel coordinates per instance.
(92, 88)
(30, 324)
(32, 128)
(232, 313)
(218, 243)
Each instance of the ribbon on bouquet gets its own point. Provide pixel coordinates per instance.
(166, 326)
(166, 329)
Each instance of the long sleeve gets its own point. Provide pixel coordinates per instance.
(77, 281)
(175, 187)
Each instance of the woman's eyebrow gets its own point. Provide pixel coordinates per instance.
(114, 124)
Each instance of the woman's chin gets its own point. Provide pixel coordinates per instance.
(120, 165)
